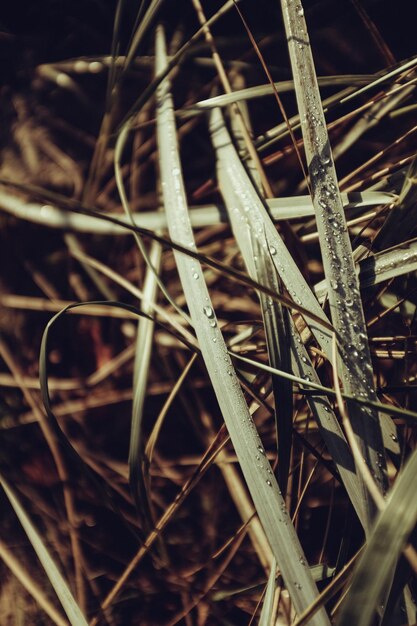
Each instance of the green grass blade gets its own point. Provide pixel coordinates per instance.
(255, 466)
(397, 261)
(265, 618)
(385, 544)
(354, 365)
(402, 219)
(71, 608)
(240, 195)
(276, 318)
(260, 91)
(144, 343)
(255, 212)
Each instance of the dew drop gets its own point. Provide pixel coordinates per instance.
(268, 482)
(208, 311)
(95, 67)
(272, 250)
(195, 276)
(300, 11)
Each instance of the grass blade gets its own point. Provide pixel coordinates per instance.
(347, 315)
(30, 585)
(265, 618)
(295, 207)
(71, 608)
(276, 318)
(402, 219)
(255, 466)
(374, 571)
(240, 194)
(144, 341)
(260, 91)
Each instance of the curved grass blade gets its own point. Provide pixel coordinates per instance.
(260, 91)
(355, 364)
(254, 210)
(258, 262)
(385, 545)
(255, 466)
(144, 341)
(43, 379)
(120, 144)
(71, 608)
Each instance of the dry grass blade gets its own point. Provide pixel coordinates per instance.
(371, 118)
(347, 95)
(151, 88)
(374, 571)
(71, 608)
(347, 315)
(328, 391)
(248, 446)
(29, 584)
(51, 216)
